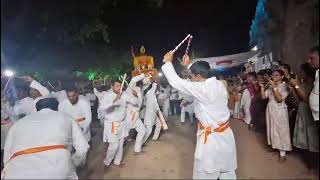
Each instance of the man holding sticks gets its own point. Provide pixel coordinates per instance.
(215, 154)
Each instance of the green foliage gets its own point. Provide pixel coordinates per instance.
(39, 76)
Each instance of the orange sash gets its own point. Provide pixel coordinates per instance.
(208, 130)
(113, 128)
(31, 151)
(36, 150)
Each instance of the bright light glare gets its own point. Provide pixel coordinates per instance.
(160, 74)
(8, 73)
(254, 48)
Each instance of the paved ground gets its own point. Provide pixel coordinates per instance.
(172, 157)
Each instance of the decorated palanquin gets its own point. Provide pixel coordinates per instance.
(143, 64)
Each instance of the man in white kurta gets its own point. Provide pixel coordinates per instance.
(245, 104)
(313, 61)
(164, 101)
(36, 145)
(27, 105)
(113, 111)
(134, 104)
(92, 98)
(79, 109)
(151, 114)
(314, 98)
(215, 154)
(186, 107)
(99, 96)
(59, 93)
(174, 101)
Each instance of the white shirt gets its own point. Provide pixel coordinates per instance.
(27, 105)
(113, 113)
(84, 98)
(60, 95)
(99, 96)
(174, 94)
(152, 106)
(91, 98)
(245, 99)
(164, 93)
(314, 98)
(76, 111)
(211, 109)
(43, 128)
(186, 97)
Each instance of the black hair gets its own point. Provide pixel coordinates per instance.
(245, 84)
(201, 68)
(287, 67)
(279, 71)
(309, 71)
(72, 88)
(102, 88)
(115, 81)
(268, 72)
(261, 72)
(50, 103)
(139, 84)
(254, 74)
(314, 49)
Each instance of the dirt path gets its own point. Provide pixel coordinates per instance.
(172, 157)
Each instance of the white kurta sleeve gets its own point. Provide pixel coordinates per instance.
(43, 90)
(136, 79)
(106, 104)
(18, 109)
(80, 144)
(60, 107)
(129, 98)
(87, 115)
(182, 85)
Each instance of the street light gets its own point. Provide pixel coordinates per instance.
(8, 73)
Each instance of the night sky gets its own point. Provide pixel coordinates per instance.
(219, 27)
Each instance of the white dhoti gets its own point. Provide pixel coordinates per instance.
(114, 133)
(215, 175)
(247, 115)
(166, 108)
(245, 105)
(134, 122)
(149, 131)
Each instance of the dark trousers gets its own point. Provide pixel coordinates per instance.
(175, 105)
